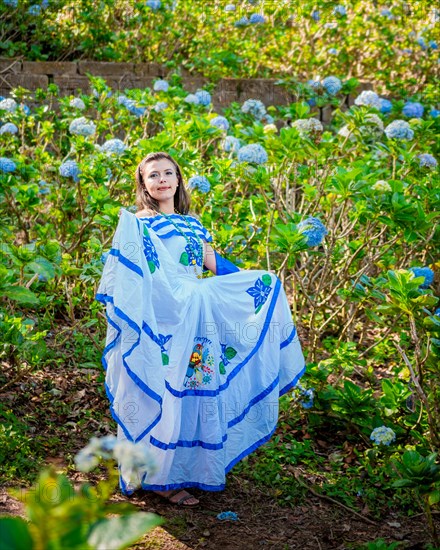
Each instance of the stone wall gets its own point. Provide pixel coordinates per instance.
(71, 76)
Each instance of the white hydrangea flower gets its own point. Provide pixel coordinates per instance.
(382, 185)
(307, 126)
(77, 103)
(8, 104)
(134, 461)
(368, 98)
(270, 129)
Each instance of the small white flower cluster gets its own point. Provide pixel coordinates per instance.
(382, 186)
(383, 435)
(134, 459)
(308, 126)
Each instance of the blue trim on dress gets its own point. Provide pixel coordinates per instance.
(290, 385)
(125, 261)
(213, 393)
(288, 339)
(188, 444)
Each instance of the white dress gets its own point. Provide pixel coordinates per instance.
(194, 367)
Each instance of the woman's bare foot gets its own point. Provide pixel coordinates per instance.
(179, 496)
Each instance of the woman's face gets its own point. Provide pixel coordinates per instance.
(160, 179)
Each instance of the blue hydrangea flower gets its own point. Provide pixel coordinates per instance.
(70, 169)
(332, 85)
(423, 272)
(383, 435)
(192, 98)
(204, 97)
(315, 15)
(268, 119)
(161, 86)
(199, 182)
(386, 13)
(44, 189)
(385, 105)
(257, 18)
(44, 4)
(339, 10)
(7, 165)
(160, 106)
(307, 396)
(399, 129)
(231, 143)
(254, 107)
(368, 98)
(433, 45)
(227, 515)
(130, 105)
(77, 103)
(153, 4)
(315, 84)
(242, 22)
(220, 122)
(313, 229)
(8, 128)
(333, 51)
(11, 3)
(82, 127)
(434, 113)
(437, 312)
(25, 109)
(413, 110)
(34, 10)
(113, 146)
(230, 7)
(253, 153)
(421, 42)
(8, 104)
(425, 159)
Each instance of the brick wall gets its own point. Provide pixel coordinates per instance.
(70, 76)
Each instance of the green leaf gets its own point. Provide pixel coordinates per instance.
(15, 534)
(20, 294)
(152, 266)
(267, 279)
(165, 359)
(118, 533)
(222, 368)
(434, 497)
(184, 258)
(230, 353)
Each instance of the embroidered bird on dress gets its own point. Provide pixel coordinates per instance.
(194, 361)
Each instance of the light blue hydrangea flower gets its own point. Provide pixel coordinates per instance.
(153, 4)
(70, 169)
(252, 153)
(399, 129)
(161, 86)
(254, 107)
(8, 128)
(113, 147)
(425, 159)
(220, 122)
(424, 272)
(421, 42)
(11, 3)
(227, 515)
(333, 51)
(199, 182)
(231, 143)
(313, 229)
(7, 165)
(256, 18)
(433, 45)
(242, 22)
(332, 85)
(315, 84)
(315, 15)
(204, 97)
(160, 106)
(130, 105)
(434, 113)
(8, 104)
(413, 110)
(383, 435)
(82, 127)
(35, 9)
(368, 98)
(192, 98)
(437, 312)
(44, 189)
(385, 105)
(230, 7)
(386, 13)
(268, 119)
(77, 103)
(339, 10)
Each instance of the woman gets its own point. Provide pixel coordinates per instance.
(194, 366)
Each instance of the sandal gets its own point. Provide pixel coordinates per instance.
(182, 500)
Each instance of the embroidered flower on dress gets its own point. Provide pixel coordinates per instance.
(260, 291)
